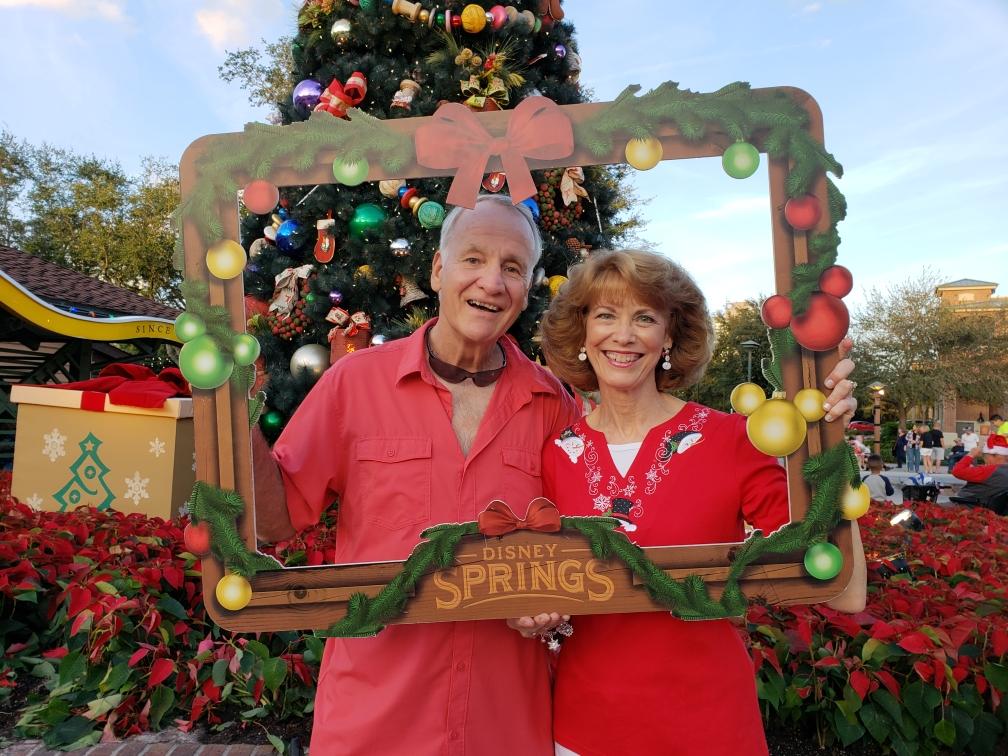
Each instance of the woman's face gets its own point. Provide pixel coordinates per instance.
(624, 342)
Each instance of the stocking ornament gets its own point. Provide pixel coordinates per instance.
(325, 246)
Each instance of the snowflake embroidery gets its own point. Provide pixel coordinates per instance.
(652, 477)
(54, 445)
(136, 488)
(602, 502)
(157, 447)
(34, 501)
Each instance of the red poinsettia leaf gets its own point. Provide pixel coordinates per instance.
(999, 641)
(137, 656)
(55, 653)
(882, 630)
(257, 690)
(889, 681)
(915, 643)
(161, 669)
(80, 599)
(940, 673)
(211, 690)
(923, 669)
(981, 683)
(860, 683)
(79, 620)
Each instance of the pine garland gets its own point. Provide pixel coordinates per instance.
(219, 508)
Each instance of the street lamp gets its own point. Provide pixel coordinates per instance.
(749, 346)
(878, 391)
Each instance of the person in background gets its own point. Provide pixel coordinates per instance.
(879, 485)
(970, 439)
(987, 483)
(899, 449)
(956, 452)
(999, 425)
(913, 448)
(934, 447)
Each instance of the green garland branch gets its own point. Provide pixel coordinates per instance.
(220, 508)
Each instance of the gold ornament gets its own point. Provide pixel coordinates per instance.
(777, 427)
(473, 18)
(854, 501)
(390, 188)
(233, 592)
(810, 403)
(555, 282)
(367, 273)
(225, 259)
(746, 398)
(643, 154)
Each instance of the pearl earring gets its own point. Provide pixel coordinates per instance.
(667, 365)
(583, 354)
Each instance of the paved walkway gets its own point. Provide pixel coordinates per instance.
(162, 743)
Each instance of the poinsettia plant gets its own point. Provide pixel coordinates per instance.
(104, 628)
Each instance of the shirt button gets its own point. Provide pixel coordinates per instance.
(390, 452)
(460, 667)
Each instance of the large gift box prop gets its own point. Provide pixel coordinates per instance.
(80, 445)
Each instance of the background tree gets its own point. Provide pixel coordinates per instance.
(922, 350)
(382, 270)
(266, 72)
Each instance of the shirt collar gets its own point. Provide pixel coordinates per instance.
(520, 370)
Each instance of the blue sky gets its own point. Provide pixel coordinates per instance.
(914, 98)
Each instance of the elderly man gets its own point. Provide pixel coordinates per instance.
(424, 430)
(987, 484)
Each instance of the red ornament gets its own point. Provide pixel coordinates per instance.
(494, 182)
(823, 325)
(776, 311)
(196, 538)
(260, 196)
(802, 213)
(836, 280)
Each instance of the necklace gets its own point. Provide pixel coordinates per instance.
(455, 374)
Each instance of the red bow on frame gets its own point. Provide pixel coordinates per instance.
(338, 97)
(498, 519)
(455, 138)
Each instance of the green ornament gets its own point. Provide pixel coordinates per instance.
(189, 326)
(366, 219)
(271, 422)
(439, 20)
(245, 349)
(350, 173)
(368, 5)
(823, 561)
(203, 364)
(740, 160)
(430, 214)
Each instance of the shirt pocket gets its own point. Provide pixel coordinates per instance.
(396, 480)
(522, 477)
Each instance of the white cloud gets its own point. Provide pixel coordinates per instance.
(110, 10)
(231, 24)
(735, 207)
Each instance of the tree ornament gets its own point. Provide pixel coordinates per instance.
(340, 31)
(351, 173)
(554, 283)
(400, 247)
(306, 95)
(245, 349)
(776, 427)
(203, 364)
(560, 51)
(289, 237)
(408, 89)
(643, 154)
(854, 502)
(823, 560)
(409, 292)
(498, 17)
(473, 18)
(746, 398)
(256, 248)
(776, 311)
(189, 326)
(823, 324)
(809, 402)
(494, 182)
(836, 280)
(390, 188)
(271, 423)
(196, 537)
(335, 296)
(339, 96)
(802, 213)
(740, 160)
(533, 207)
(260, 196)
(233, 592)
(325, 245)
(225, 259)
(367, 273)
(430, 214)
(309, 362)
(367, 219)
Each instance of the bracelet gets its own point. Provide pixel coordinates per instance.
(554, 638)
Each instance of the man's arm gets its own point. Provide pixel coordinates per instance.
(272, 519)
(965, 469)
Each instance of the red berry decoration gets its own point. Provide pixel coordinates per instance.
(836, 280)
(802, 213)
(196, 538)
(823, 325)
(776, 311)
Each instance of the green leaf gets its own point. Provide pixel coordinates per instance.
(99, 706)
(72, 666)
(56, 711)
(277, 743)
(921, 700)
(945, 731)
(997, 675)
(258, 649)
(274, 672)
(162, 700)
(29, 596)
(168, 605)
(115, 678)
(846, 731)
(963, 727)
(68, 731)
(888, 702)
(870, 647)
(220, 670)
(106, 588)
(874, 722)
(903, 747)
(987, 732)
(314, 650)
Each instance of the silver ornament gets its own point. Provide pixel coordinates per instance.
(378, 339)
(309, 361)
(340, 31)
(540, 277)
(400, 247)
(256, 247)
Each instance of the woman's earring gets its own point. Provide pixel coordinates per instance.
(583, 354)
(667, 365)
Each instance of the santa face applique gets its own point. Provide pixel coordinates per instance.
(572, 444)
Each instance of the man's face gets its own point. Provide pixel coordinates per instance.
(482, 275)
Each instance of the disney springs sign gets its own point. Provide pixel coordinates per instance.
(456, 571)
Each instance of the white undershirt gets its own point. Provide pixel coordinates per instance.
(623, 455)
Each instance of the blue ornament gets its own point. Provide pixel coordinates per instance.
(402, 190)
(532, 205)
(288, 236)
(306, 95)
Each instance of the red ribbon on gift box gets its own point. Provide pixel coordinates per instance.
(130, 385)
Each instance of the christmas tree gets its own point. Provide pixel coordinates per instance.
(87, 484)
(334, 268)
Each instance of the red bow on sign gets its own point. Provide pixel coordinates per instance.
(498, 519)
(338, 97)
(455, 138)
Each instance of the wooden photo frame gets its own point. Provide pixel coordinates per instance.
(492, 577)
